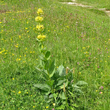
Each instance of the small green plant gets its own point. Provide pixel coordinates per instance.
(57, 83)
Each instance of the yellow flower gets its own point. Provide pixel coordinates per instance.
(33, 106)
(19, 92)
(41, 37)
(79, 72)
(53, 104)
(19, 36)
(101, 93)
(39, 18)
(18, 59)
(47, 106)
(40, 11)
(40, 27)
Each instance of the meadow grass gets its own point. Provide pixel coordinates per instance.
(77, 37)
(64, 0)
(97, 3)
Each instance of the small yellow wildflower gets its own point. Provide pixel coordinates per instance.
(0, 52)
(40, 11)
(53, 104)
(101, 93)
(47, 106)
(39, 18)
(83, 47)
(16, 45)
(18, 59)
(19, 36)
(19, 92)
(79, 72)
(33, 106)
(13, 78)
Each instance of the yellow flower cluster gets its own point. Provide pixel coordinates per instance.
(39, 18)
(41, 37)
(40, 11)
(40, 27)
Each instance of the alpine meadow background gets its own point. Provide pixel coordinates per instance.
(75, 49)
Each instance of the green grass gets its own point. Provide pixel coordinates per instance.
(97, 3)
(77, 37)
(64, 0)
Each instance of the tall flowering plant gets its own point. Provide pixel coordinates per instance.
(57, 83)
(39, 26)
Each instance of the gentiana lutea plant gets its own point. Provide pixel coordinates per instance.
(57, 82)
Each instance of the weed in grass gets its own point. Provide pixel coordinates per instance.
(58, 86)
(69, 30)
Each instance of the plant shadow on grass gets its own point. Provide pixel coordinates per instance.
(99, 12)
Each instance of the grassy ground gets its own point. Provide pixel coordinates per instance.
(64, 0)
(77, 37)
(97, 3)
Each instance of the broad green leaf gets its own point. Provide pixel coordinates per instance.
(61, 70)
(46, 64)
(50, 82)
(52, 68)
(42, 57)
(71, 108)
(62, 86)
(60, 107)
(38, 69)
(78, 91)
(47, 55)
(41, 63)
(55, 95)
(60, 82)
(77, 87)
(43, 87)
(72, 94)
(81, 83)
(45, 74)
(75, 105)
(62, 96)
